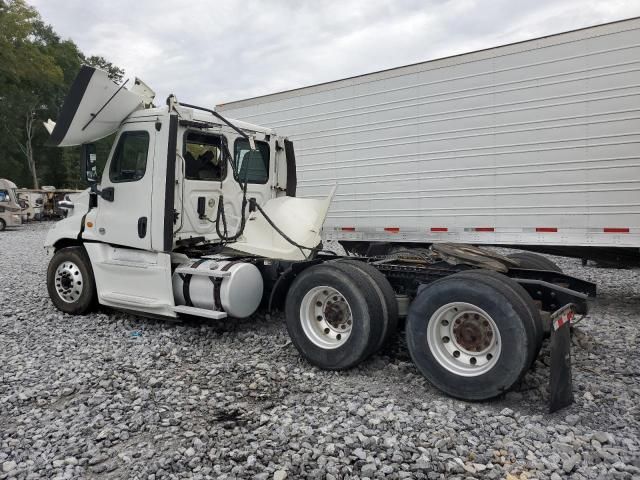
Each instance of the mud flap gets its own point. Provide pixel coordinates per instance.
(561, 383)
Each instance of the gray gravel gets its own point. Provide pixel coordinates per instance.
(114, 395)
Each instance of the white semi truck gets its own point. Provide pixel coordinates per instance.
(10, 209)
(532, 145)
(196, 215)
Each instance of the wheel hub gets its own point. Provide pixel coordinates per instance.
(472, 332)
(68, 282)
(464, 339)
(337, 314)
(326, 317)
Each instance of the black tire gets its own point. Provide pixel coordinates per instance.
(516, 335)
(87, 296)
(3, 225)
(535, 261)
(363, 301)
(530, 309)
(387, 294)
(379, 313)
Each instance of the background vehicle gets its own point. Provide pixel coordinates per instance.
(10, 209)
(34, 200)
(532, 145)
(197, 215)
(54, 202)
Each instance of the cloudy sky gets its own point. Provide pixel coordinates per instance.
(210, 52)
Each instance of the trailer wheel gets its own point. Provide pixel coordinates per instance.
(70, 281)
(333, 316)
(526, 307)
(469, 337)
(535, 261)
(386, 294)
(3, 225)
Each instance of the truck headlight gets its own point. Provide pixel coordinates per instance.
(17, 218)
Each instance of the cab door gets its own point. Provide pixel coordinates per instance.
(124, 213)
(257, 167)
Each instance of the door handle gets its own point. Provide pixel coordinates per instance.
(142, 227)
(108, 194)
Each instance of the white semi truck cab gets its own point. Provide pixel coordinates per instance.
(196, 215)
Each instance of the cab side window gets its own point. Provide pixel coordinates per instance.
(203, 159)
(129, 162)
(252, 165)
(4, 196)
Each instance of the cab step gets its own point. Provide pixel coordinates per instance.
(200, 312)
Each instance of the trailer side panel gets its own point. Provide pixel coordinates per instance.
(533, 143)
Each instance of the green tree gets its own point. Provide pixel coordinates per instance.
(28, 76)
(116, 74)
(37, 68)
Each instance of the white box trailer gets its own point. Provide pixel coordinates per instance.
(534, 144)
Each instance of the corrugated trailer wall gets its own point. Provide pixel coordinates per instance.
(531, 143)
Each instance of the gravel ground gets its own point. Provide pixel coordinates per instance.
(113, 395)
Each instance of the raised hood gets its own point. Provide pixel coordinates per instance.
(95, 107)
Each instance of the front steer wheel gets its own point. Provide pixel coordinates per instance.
(70, 281)
(469, 338)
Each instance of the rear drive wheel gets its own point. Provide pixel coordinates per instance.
(70, 281)
(526, 307)
(387, 297)
(331, 316)
(535, 261)
(469, 338)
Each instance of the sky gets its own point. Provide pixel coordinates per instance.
(214, 51)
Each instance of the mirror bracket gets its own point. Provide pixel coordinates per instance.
(89, 163)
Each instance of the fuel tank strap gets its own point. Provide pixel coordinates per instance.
(186, 282)
(217, 284)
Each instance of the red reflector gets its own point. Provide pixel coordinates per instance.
(439, 229)
(485, 229)
(615, 230)
(348, 229)
(392, 229)
(546, 229)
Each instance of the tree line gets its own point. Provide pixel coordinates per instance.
(37, 68)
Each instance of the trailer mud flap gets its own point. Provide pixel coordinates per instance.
(561, 383)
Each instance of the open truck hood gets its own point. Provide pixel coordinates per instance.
(301, 219)
(95, 107)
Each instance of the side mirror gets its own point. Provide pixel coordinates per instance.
(89, 163)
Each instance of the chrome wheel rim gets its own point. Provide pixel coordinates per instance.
(464, 339)
(69, 282)
(326, 317)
